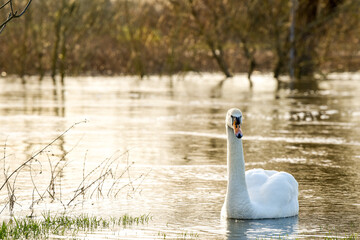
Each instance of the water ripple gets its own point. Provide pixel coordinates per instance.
(311, 140)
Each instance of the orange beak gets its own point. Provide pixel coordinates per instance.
(237, 130)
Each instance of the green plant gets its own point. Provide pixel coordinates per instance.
(47, 224)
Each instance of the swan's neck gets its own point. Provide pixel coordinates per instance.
(237, 192)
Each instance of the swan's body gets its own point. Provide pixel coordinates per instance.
(256, 193)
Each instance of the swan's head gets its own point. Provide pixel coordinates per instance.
(234, 120)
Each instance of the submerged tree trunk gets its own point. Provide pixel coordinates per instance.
(311, 20)
(38, 37)
(211, 40)
(292, 43)
(136, 51)
(277, 71)
(24, 48)
(219, 57)
(249, 54)
(304, 66)
(55, 53)
(63, 57)
(251, 69)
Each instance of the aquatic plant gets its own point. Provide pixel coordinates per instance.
(188, 235)
(179, 236)
(60, 225)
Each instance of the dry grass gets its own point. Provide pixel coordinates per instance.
(105, 180)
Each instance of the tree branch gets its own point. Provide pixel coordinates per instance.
(13, 14)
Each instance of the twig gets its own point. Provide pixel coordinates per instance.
(143, 179)
(32, 203)
(129, 184)
(87, 187)
(92, 183)
(115, 183)
(36, 154)
(11, 194)
(53, 177)
(105, 166)
(13, 14)
(2, 6)
(127, 162)
(33, 182)
(84, 167)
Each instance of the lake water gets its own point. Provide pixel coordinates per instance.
(162, 143)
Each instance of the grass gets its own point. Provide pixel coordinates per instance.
(105, 180)
(46, 225)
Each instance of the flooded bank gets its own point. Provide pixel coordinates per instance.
(167, 138)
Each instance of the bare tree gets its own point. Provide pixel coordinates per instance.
(205, 22)
(314, 22)
(13, 13)
(210, 25)
(245, 21)
(175, 36)
(63, 26)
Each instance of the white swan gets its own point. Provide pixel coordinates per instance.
(256, 193)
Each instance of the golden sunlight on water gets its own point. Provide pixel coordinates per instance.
(158, 146)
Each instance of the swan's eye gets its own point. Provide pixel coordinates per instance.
(236, 120)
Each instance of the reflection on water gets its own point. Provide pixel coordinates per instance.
(174, 132)
(265, 228)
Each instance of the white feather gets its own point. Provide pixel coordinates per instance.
(256, 193)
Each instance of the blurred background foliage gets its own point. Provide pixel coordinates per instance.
(143, 37)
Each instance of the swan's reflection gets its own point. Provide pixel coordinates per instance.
(255, 229)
